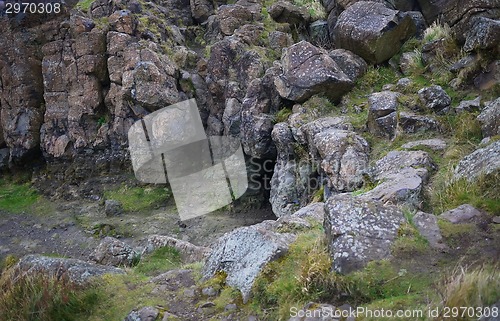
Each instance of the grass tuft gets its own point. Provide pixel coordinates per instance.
(159, 261)
(16, 198)
(135, 199)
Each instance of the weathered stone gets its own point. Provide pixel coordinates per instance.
(314, 211)
(144, 314)
(373, 31)
(427, 225)
(114, 252)
(359, 231)
(260, 102)
(190, 253)
(77, 271)
(434, 98)
(113, 208)
(483, 161)
(484, 34)
(232, 17)
(285, 12)
(201, 9)
(279, 40)
(382, 118)
(434, 144)
(490, 118)
(401, 176)
(172, 281)
(412, 123)
(308, 70)
(344, 157)
(469, 105)
(123, 21)
(243, 253)
(351, 64)
(462, 214)
(406, 62)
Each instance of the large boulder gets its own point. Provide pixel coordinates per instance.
(285, 12)
(359, 231)
(484, 34)
(344, 158)
(490, 119)
(232, 17)
(242, 254)
(401, 176)
(114, 252)
(309, 70)
(459, 16)
(77, 271)
(201, 9)
(483, 161)
(373, 31)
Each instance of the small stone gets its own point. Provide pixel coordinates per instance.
(230, 307)
(190, 293)
(462, 214)
(207, 305)
(113, 208)
(434, 97)
(496, 220)
(210, 291)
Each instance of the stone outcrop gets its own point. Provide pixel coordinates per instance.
(382, 118)
(242, 253)
(114, 252)
(285, 12)
(484, 161)
(359, 230)
(401, 176)
(77, 271)
(373, 31)
(308, 70)
(490, 118)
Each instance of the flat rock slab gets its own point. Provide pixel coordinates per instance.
(359, 231)
(435, 144)
(462, 214)
(77, 271)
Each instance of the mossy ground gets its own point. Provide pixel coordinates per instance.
(134, 199)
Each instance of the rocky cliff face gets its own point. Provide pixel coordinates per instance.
(71, 86)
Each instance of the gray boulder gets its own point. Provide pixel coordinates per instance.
(344, 158)
(144, 314)
(351, 64)
(483, 161)
(113, 208)
(189, 252)
(469, 105)
(484, 34)
(314, 211)
(309, 70)
(242, 254)
(77, 271)
(427, 226)
(490, 118)
(434, 98)
(285, 12)
(382, 118)
(401, 176)
(359, 231)
(462, 214)
(373, 31)
(412, 123)
(201, 9)
(435, 144)
(113, 252)
(231, 17)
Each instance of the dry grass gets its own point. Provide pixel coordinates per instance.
(464, 287)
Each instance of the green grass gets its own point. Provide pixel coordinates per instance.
(41, 297)
(84, 5)
(160, 260)
(409, 242)
(135, 199)
(282, 115)
(15, 197)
